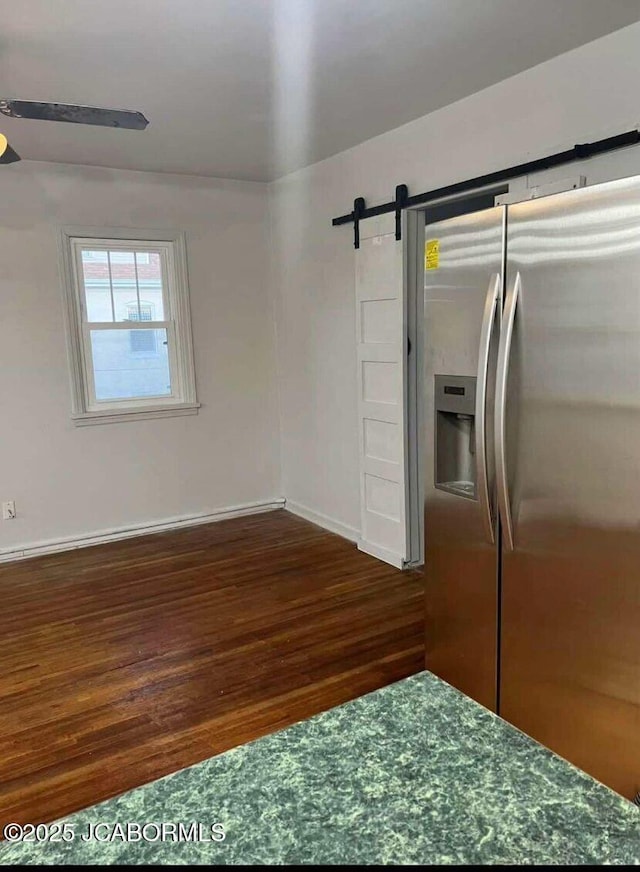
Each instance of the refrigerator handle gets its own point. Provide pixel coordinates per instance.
(482, 476)
(504, 353)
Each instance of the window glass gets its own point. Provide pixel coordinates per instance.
(112, 277)
(128, 367)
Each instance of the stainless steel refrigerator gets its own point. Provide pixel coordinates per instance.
(532, 492)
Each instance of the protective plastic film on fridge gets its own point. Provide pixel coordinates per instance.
(532, 493)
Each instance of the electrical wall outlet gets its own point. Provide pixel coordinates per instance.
(8, 510)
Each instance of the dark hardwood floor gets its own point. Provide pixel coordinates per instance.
(124, 662)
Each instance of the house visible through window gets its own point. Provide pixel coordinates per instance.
(120, 369)
(142, 341)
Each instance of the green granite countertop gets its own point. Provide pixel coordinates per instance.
(415, 773)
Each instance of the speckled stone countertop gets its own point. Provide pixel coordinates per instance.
(414, 773)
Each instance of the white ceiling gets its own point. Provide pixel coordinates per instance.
(251, 89)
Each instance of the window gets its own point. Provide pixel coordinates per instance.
(119, 371)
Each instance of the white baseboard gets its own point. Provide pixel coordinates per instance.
(52, 546)
(22, 552)
(381, 553)
(321, 520)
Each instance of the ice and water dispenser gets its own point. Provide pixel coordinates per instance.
(455, 400)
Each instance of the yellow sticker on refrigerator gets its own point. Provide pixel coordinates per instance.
(432, 254)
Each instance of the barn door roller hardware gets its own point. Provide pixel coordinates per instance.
(402, 199)
(402, 195)
(358, 210)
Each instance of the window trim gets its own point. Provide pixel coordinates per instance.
(177, 294)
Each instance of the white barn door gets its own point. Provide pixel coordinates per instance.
(382, 373)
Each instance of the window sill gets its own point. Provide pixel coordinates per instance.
(112, 416)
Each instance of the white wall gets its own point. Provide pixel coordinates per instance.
(583, 95)
(70, 481)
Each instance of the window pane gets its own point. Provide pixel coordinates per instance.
(150, 283)
(94, 256)
(128, 365)
(97, 288)
(115, 280)
(123, 282)
(121, 257)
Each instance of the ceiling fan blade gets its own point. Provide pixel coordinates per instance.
(7, 154)
(74, 114)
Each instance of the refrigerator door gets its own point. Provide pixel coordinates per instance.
(463, 289)
(570, 652)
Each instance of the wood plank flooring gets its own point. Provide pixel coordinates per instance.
(124, 662)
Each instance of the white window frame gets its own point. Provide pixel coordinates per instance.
(85, 408)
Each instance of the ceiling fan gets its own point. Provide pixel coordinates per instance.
(68, 112)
